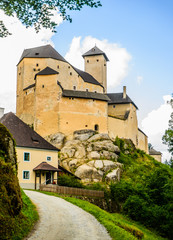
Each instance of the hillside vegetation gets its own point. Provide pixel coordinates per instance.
(16, 216)
(145, 192)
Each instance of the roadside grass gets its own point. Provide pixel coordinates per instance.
(118, 226)
(26, 220)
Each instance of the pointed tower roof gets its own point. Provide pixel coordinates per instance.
(95, 51)
(46, 51)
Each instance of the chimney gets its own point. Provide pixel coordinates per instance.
(1, 112)
(124, 92)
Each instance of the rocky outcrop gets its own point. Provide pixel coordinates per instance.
(91, 157)
(56, 139)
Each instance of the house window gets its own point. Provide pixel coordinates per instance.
(26, 156)
(26, 174)
(42, 86)
(70, 73)
(97, 60)
(49, 158)
(96, 127)
(87, 61)
(113, 106)
(86, 89)
(74, 87)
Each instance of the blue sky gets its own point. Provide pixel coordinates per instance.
(145, 29)
(137, 37)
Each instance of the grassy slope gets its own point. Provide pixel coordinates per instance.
(118, 226)
(26, 220)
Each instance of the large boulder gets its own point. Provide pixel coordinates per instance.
(102, 145)
(93, 155)
(67, 152)
(99, 137)
(83, 135)
(56, 139)
(114, 175)
(109, 165)
(88, 173)
(108, 155)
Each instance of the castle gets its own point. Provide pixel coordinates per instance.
(53, 96)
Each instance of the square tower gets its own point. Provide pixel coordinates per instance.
(96, 65)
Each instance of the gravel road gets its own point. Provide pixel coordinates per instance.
(61, 220)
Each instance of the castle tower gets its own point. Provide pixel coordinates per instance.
(96, 65)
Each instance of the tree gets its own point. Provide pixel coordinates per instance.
(38, 13)
(168, 136)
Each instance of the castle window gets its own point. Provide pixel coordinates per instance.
(42, 86)
(96, 127)
(38, 69)
(26, 93)
(37, 65)
(34, 69)
(68, 66)
(87, 61)
(70, 73)
(95, 91)
(113, 106)
(86, 89)
(86, 125)
(97, 60)
(19, 73)
(74, 87)
(58, 66)
(105, 64)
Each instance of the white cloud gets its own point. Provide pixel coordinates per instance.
(155, 124)
(119, 58)
(11, 49)
(139, 80)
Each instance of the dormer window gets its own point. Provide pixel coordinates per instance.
(36, 53)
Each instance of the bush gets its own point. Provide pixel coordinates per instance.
(69, 181)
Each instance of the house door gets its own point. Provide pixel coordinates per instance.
(48, 177)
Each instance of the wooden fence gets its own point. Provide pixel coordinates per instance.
(71, 191)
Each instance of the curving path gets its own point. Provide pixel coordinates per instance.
(61, 220)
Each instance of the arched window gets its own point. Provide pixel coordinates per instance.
(96, 127)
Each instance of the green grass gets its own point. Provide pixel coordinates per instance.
(118, 226)
(26, 220)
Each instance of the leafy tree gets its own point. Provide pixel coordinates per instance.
(38, 13)
(168, 136)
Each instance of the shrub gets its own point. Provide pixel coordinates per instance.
(69, 181)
